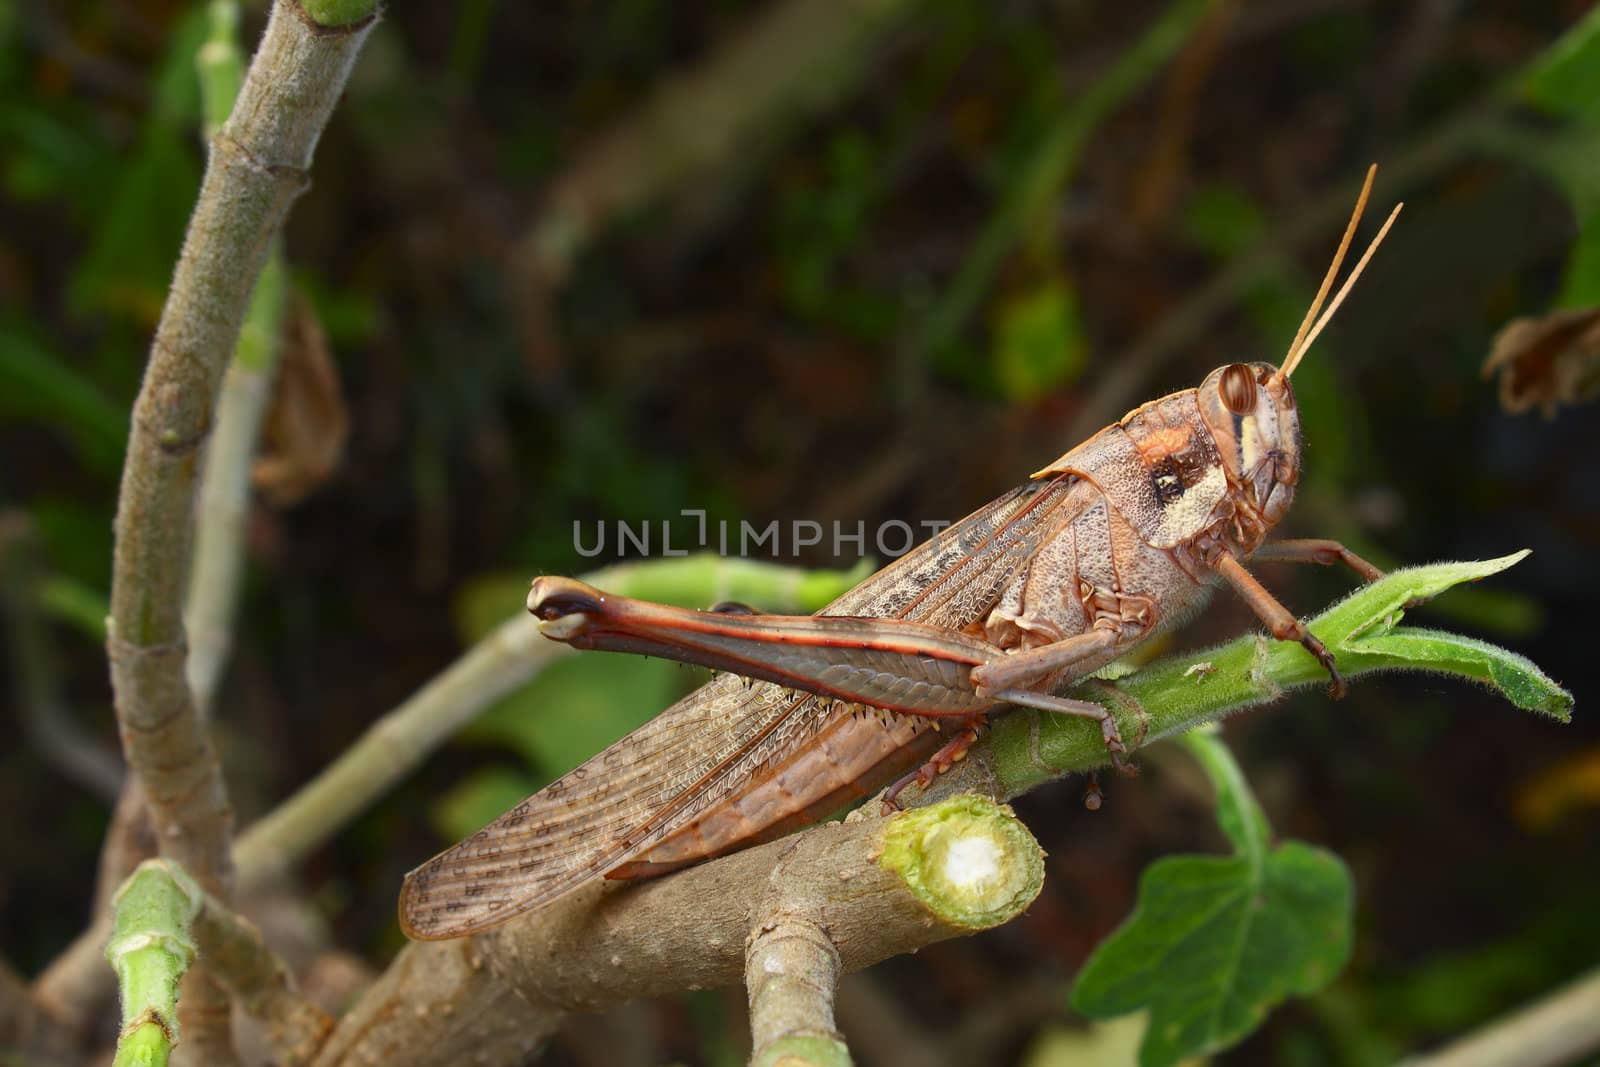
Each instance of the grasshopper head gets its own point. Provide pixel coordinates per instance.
(1249, 408)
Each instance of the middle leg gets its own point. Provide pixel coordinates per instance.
(1007, 680)
(1316, 550)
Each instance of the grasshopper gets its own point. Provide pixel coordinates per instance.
(1121, 537)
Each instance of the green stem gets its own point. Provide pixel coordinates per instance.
(1238, 812)
(151, 946)
(1179, 693)
(220, 65)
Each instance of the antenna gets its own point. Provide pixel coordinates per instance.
(1308, 332)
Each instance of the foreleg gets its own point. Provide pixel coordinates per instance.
(1282, 624)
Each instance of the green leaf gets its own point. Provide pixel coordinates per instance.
(1214, 943)
(1565, 79)
(1038, 341)
(1516, 677)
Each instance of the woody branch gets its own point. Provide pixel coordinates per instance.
(258, 164)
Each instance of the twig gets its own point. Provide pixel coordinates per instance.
(225, 481)
(1561, 1027)
(76, 984)
(129, 841)
(258, 164)
(791, 972)
(500, 992)
(795, 58)
(224, 498)
(260, 983)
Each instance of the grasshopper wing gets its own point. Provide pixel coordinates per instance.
(597, 816)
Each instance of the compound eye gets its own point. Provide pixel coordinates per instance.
(1238, 389)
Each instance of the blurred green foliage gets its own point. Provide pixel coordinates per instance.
(138, 222)
(1565, 82)
(892, 315)
(1039, 345)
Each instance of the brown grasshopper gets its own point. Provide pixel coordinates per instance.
(1122, 536)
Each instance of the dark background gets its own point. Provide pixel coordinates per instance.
(773, 335)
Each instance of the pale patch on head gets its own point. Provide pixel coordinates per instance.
(1189, 512)
(1253, 445)
(972, 862)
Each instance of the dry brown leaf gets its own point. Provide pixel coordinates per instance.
(1570, 786)
(303, 439)
(1548, 360)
